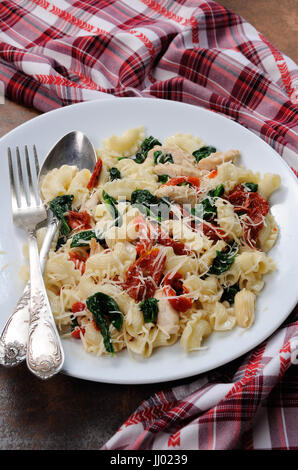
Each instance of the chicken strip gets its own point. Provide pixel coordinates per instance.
(179, 194)
(217, 158)
(168, 317)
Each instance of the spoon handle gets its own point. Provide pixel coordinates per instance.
(14, 336)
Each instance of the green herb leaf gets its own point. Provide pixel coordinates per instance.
(217, 192)
(250, 187)
(203, 152)
(111, 202)
(115, 174)
(82, 238)
(150, 205)
(60, 206)
(143, 196)
(207, 209)
(149, 308)
(146, 145)
(104, 308)
(229, 293)
(159, 157)
(163, 178)
(224, 259)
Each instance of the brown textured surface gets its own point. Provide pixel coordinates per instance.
(277, 20)
(67, 413)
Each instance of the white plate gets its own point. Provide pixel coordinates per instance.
(161, 118)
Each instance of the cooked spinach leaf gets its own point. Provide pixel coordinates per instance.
(143, 196)
(111, 202)
(146, 145)
(60, 206)
(149, 308)
(115, 174)
(203, 152)
(224, 259)
(104, 308)
(207, 209)
(250, 187)
(217, 192)
(82, 238)
(150, 205)
(62, 239)
(229, 293)
(163, 178)
(160, 157)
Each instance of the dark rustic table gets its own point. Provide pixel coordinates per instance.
(68, 413)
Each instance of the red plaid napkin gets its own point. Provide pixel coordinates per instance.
(54, 53)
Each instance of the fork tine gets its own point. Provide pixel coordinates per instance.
(32, 194)
(14, 199)
(36, 160)
(22, 193)
(37, 174)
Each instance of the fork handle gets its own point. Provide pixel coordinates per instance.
(14, 336)
(45, 355)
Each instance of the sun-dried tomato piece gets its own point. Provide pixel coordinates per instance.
(79, 220)
(192, 180)
(93, 182)
(78, 307)
(174, 287)
(254, 206)
(76, 333)
(143, 277)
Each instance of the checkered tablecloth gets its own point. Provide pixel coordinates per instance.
(55, 53)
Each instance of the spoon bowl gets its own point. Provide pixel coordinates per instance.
(72, 149)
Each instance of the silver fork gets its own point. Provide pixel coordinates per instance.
(45, 355)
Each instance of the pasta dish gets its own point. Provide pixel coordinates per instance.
(163, 242)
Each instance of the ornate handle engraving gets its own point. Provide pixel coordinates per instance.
(45, 355)
(14, 336)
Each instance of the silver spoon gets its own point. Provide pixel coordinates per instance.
(73, 149)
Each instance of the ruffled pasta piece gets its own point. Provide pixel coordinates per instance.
(124, 187)
(221, 318)
(126, 144)
(248, 269)
(205, 290)
(195, 241)
(181, 264)
(269, 233)
(57, 182)
(244, 307)
(230, 175)
(143, 344)
(196, 330)
(60, 270)
(130, 169)
(227, 219)
(92, 340)
(268, 184)
(186, 142)
(163, 339)
(78, 188)
(111, 263)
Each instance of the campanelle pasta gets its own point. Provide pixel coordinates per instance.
(163, 242)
